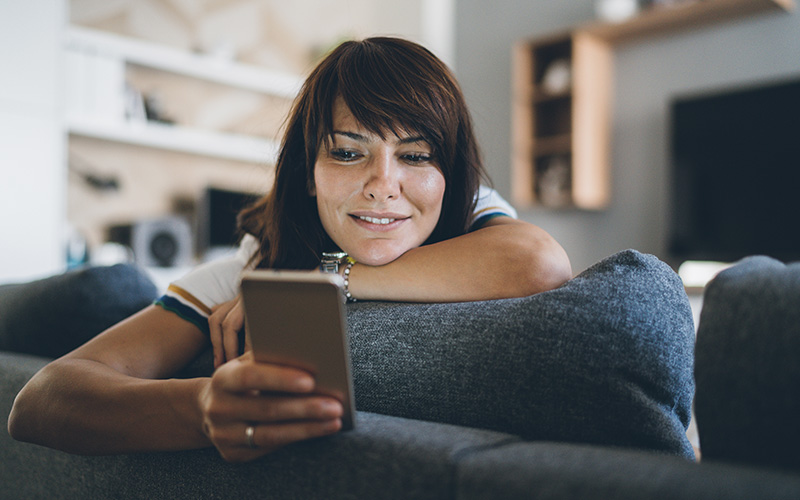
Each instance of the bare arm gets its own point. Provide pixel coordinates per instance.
(101, 397)
(109, 396)
(506, 258)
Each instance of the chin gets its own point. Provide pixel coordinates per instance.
(378, 256)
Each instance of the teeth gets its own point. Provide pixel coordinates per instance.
(375, 220)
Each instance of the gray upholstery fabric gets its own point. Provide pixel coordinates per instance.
(607, 358)
(550, 471)
(392, 457)
(53, 316)
(386, 458)
(748, 365)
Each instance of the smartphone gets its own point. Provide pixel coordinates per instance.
(297, 318)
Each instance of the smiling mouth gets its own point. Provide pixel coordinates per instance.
(377, 220)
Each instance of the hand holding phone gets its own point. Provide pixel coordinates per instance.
(297, 319)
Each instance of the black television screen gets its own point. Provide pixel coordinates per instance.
(217, 217)
(736, 174)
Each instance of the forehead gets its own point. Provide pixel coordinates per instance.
(343, 118)
(345, 121)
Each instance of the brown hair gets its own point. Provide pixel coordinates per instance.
(389, 84)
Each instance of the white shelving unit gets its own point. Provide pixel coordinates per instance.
(153, 55)
(179, 139)
(96, 65)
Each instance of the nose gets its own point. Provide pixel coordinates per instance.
(384, 179)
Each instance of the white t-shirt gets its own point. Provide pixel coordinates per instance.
(193, 296)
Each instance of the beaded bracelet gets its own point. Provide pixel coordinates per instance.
(348, 267)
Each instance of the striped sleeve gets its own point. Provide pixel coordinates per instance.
(193, 296)
(488, 206)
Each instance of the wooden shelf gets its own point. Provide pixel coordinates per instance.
(573, 124)
(553, 145)
(682, 16)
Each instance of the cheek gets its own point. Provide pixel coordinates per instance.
(430, 191)
(326, 186)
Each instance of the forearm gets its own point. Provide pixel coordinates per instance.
(510, 259)
(85, 407)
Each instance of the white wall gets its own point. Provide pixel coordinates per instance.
(32, 172)
(647, 75)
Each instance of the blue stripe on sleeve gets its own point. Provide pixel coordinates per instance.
(173, 305)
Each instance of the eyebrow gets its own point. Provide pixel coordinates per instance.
(362, 138)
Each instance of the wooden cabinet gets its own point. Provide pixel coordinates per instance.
(561, 115)
(562, 98)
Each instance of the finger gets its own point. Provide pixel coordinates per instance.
(234, 445)
(274, 436)
(273, 409)
(228, 409)
(215, 320)
(231, 326)
(243, 375)
(215, 335)
(247, 345)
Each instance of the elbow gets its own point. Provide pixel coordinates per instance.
(543, 265)
(552, 268)
(20, 421)
(32, 405)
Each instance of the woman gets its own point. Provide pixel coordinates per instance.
(379, 161)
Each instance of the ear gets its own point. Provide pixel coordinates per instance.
(311, 188)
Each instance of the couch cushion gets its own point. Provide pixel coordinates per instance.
(557, 471)
(386, 457)
(606, 358)
(53, 316)
(748, 364)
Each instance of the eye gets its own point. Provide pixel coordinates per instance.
(417, 158)
(344, 155)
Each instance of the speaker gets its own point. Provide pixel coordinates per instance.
(161, 242)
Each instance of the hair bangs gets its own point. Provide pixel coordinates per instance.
(383, 87)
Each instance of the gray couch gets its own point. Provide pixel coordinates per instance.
(581, 392)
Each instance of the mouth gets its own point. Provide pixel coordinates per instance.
(379, 222)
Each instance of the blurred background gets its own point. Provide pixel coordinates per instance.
(134, 129)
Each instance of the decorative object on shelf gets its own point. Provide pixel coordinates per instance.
(557, 77)
(553, 182)
(154, 110)
(87, 173)
(616, 10)
(134, 105)
(649, 4)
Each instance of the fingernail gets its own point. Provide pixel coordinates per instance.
(333, 425)
(332, 408)
(304, 384)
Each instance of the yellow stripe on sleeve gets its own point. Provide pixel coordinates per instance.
(188, 297)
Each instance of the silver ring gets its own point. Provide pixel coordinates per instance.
(250, 433)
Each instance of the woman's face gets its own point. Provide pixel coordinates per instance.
(376, 198)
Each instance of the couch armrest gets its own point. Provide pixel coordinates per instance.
(748, 365)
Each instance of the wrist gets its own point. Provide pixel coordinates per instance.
(339, 263)
(346, 275)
